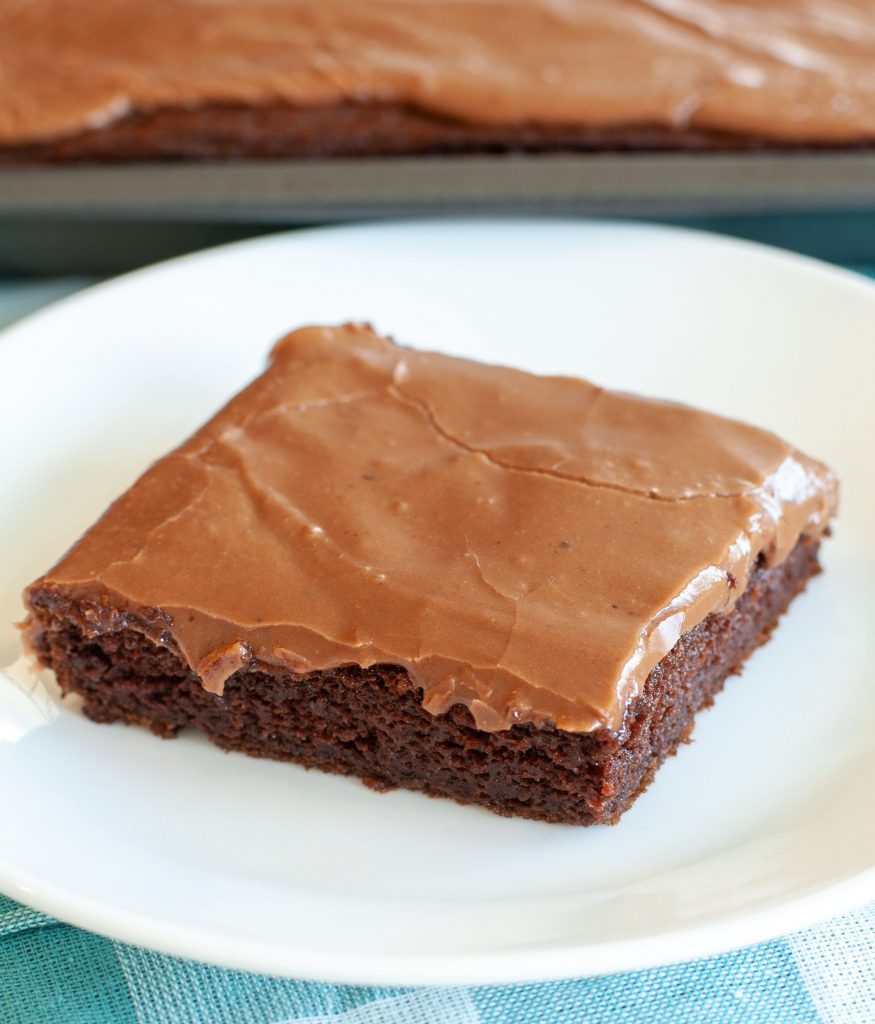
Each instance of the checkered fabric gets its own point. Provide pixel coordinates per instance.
(51, 973)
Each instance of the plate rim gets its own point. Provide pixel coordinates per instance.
(729, 932)
(845, 276)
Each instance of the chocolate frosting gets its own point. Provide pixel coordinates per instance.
(527, 546)
(784, 69)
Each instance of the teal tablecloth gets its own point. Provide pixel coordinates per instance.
(51, 973)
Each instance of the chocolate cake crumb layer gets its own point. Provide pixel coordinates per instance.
(189, 78)
(280, 130)
(371, 722)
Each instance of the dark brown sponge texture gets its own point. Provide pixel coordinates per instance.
(281, 130)
(371, 723)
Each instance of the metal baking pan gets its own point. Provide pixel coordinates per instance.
(79, 218)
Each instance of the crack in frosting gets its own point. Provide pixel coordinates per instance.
(363, 503)
(584, 481)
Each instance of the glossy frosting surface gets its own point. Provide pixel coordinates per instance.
(784, 69)
(527, 546)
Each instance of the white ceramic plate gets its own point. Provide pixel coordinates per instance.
(762, 825)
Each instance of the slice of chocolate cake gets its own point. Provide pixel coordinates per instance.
(464, 579)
